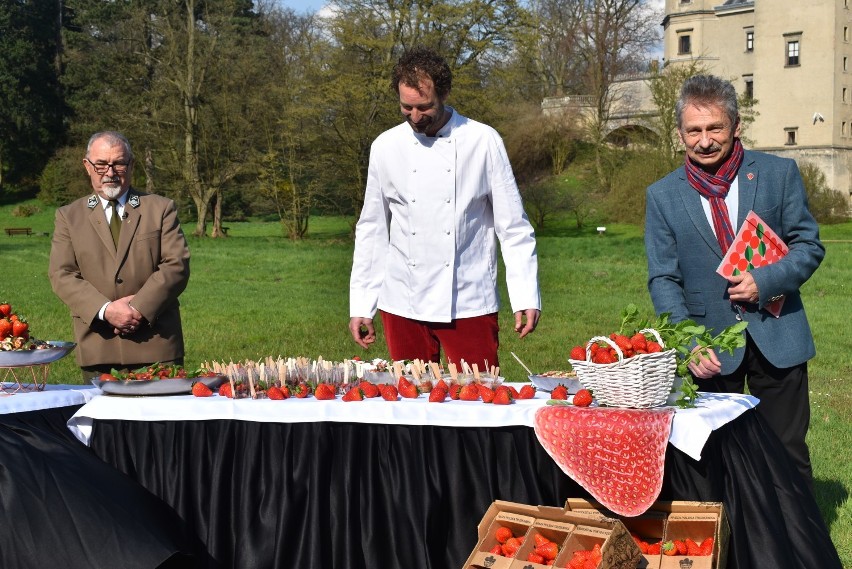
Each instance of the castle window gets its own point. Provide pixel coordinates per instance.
(792, 52)
(684, 45)
(791, 136)
(750, 40)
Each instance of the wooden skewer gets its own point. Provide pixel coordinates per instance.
(454, 372)
(436, 370)
(523, 365)
(476, 376)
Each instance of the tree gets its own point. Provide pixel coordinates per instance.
(31, 107)
(826, 205)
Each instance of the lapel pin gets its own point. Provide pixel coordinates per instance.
(133, 201)
(92, 202)
(750, 176)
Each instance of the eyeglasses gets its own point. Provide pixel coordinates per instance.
(102, 168)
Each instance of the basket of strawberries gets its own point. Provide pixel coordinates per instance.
(636, 371)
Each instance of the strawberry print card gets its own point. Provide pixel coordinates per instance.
(755, 245)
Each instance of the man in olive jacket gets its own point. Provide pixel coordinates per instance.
(119, 261)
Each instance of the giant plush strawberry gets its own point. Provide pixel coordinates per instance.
(616, 454)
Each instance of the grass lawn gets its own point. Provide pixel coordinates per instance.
(256, 294)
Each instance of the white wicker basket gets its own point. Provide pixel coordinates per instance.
(643, 381)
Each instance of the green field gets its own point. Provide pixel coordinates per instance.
(257, 294)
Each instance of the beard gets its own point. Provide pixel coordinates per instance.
(111, 187)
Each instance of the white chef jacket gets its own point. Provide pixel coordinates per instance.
(434, 208)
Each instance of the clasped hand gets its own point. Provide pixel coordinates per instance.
(124, 318)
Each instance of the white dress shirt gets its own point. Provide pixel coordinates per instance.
(119, 209)
(434, 209)
(732, 202)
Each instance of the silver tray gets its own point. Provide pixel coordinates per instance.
(148, 387)
(20, 358)
(546, 383)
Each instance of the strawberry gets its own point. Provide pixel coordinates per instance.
(578, 353)
(511, 547)
(540, 539)
(224, 390)
(496, 550)
(583, 398)
(201, 390)
(669, 548)
(324, 392)
(5, 309)
(441, 384)
(302, 390)
(107, 377)
(275, 393)
(354, 394)
(469, 392)
(370, 389)
(20, 328)
(654, 347)
(622, 342)
(559, 392)
(437, 395)
(681, 546)
(389, 392)
(638, 342)
(455, 391)
(654, 548)
(535, 557)
(486, 393)
(548, 550)
(502, 534)
(692, 548)
(503, 397)
(5, 328)
(408, 389)
(526, 392)
(604, 357)
(706, 547)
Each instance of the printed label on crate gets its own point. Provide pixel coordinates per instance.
(596, 532)
(514, 518)
(554, 525)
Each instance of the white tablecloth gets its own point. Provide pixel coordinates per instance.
(690, 427)
(52, 396)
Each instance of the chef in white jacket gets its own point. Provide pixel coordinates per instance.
(440, 194)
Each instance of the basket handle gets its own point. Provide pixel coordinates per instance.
(602, 339)
(656, 335)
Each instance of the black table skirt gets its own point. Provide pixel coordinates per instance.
(61, 506)
(358, 496)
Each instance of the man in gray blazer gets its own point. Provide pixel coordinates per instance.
(119, 260)
(692, 215)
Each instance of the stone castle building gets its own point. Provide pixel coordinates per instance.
(793, 57)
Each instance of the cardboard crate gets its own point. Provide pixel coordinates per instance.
(715, 510)
(619, 549)
(482, 556)
(555, 531)
(696, 526)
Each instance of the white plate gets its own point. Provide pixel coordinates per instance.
(549, 383)
(18, 358)
(142, 387)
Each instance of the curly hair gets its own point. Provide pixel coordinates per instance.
(420, 63)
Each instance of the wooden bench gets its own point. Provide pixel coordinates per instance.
(19, 231)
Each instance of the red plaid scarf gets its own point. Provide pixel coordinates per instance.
(715, 188)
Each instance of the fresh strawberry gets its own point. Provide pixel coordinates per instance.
(535, 558)
(578, 353)
(559, 392)
(370, 389)
(324, 392)
(654, 548)
(486, 393)
(354, 394)
(107, 377)
(669, 548)
(469, 392)
(201, 390)
(407, 389)
(5, 328)
(302, 390)
(5, 309)
(497, 549)
(548, 550)
(20, 328)
(654, 347)
(275, 393)
(511, 547)
(692, 548)
(526, 392)
(503, 397)
(437, 395)
(639, 342)
(225, 390)
(604, 357)
(583, 398)
(285, 391)
(503, 534)
(540, 539)
(441, 384)
(455, 391)
(706, 547)
(681, 546)
(389, 392)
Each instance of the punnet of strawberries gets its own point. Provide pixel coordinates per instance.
(681, 336)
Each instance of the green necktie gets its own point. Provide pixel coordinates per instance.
(114, 222)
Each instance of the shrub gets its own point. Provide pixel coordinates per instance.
(25, 210)
(826, 205)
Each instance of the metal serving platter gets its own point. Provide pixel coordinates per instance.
(547, 383)
(20, 358)
(153, 387)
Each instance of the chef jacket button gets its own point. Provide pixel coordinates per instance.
(739, 317)
(118, 280)
(448, 200)
(448, 231)
(449, 169)
(414, 233)
(446, 264)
